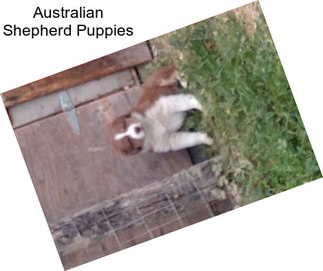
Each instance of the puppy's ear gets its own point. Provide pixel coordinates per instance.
(115, 127)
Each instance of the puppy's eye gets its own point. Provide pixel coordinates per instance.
(137, 130)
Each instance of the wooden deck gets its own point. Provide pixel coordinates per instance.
(72, 172)
(77, 175)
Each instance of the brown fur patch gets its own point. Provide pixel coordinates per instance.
(152, 94)
(165, 76)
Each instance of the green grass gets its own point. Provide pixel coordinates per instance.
(248, 105)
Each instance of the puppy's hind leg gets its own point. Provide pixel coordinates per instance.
(182, 140)
(180, 102)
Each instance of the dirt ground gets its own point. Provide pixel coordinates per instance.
(248, 15)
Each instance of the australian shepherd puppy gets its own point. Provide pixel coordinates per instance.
(154, 123)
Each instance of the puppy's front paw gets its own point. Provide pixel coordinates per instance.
(195, 103)
(206, 139)
(199, 106)
(182, 81)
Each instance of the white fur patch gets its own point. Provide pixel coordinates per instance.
(163, 120)
(131, 131)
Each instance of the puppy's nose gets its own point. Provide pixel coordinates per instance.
(179, 84)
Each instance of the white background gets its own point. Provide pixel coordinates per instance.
(283, 232)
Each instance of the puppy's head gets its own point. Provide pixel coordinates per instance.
(126, 135)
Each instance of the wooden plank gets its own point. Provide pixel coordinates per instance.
(97, 88)
(72, 172)
(142, 214)
(120, 60)
(38, 108)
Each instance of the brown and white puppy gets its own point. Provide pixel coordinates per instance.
(154, 123)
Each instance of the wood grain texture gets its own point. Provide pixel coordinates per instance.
(73, 172)
(97, 68)
(38, 108)
(143, 214)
